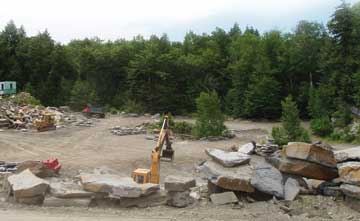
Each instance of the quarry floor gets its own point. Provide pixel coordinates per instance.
(85, 148)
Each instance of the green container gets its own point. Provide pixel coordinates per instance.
(7, 87)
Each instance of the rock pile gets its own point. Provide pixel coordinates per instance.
(122, 131)
(349, 172)
(16, 113)
(266, 149)
(286, 174)
(178, 190)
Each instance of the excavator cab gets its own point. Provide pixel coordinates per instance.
(141, 176)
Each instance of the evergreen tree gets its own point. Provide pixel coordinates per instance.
(209, 118)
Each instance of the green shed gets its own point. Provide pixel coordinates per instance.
(7, 87)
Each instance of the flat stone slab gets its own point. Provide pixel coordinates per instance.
(223, 198)
(248, 148)
(26, 185)
(115, 185)
(66, 202)
(269, 180)
(228, 159)
(178, 184)
(234, 178)
(316, 153)
(68, 189)
(351, 190)
(303, 168)
(349, 172)
(350, 154)
(291, 189)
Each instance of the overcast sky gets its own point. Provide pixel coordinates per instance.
(113, 19)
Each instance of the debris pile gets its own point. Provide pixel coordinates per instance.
(17, 113)
(122, 131)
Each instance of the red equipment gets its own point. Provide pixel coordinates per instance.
(52, 164)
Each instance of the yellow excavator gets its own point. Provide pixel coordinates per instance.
(152, 175)
(47, 122)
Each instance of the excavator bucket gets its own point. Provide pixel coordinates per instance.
(167, 155)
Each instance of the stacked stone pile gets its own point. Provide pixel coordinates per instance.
(266, 149)
(178, 190)
(349, 173)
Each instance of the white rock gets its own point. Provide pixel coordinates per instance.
(248, 148)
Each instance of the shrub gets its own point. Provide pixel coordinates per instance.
(291, 129)
(279, 135)
(183, 127)
(321, 126)
(113, 110)
(210, 120)
(132, 106)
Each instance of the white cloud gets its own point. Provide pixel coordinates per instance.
(111, 19)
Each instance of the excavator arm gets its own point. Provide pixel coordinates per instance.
(158, 152)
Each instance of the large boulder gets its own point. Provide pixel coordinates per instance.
(303, 168)
(228, 159)
(235, 178)
(351, 190)
(115, 185)
(223, 198)
(27, 185)
(351, 154)
(349, 172)
(269, 180)
(178, 184)
(316, 153)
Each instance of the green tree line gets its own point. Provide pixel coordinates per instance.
(251, 72)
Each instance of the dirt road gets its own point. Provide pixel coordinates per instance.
(89, 148)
